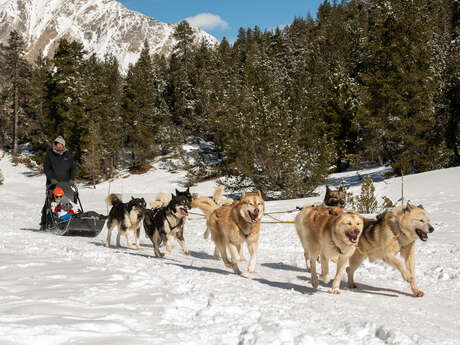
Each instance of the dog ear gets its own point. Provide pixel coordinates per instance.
(188, 190)
(327, 189)
(177, 192)
(259, 193)
(420, 206)
(132, 198)
(341, 189)
(243, 194)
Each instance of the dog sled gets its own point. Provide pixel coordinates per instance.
(81, 223)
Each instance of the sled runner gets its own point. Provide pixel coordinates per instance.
(85, 224)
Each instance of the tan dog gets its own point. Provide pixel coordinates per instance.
(329, 233)
(232, 225)
(393, 232)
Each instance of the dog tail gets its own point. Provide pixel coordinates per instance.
(205, 204)
(161, 200)
(113, 199)
(218, 193)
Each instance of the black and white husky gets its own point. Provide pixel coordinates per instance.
(127, 216)
(163, 222)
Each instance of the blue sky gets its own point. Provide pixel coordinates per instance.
(223, 18)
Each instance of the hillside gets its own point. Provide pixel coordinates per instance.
(60, 290)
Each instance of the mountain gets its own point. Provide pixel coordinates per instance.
(102, 26)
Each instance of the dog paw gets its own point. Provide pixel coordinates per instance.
(314, 282)
(107, 244)
(237, 270)
(186, 252)
(335, 291)
(352, 286)
(242, 258)
(139, 248)
(418, 293)
(159, 254)
(325, 278)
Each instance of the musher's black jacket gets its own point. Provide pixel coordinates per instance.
(61, 168)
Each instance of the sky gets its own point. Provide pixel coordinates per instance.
(224, 18)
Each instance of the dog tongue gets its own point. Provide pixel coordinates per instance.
(422, 235)
(183, 211)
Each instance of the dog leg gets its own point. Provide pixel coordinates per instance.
(396, 263)
(314, 275)
(216, 254)
(128, 240)
(353, 264)
(120, 231)
(235, 258)
(137, 233)
(156, 239)
(341, 262)
(324, 269)
(180, 239)
(252, 247)
(408, 254)
(240, 252)
(223, 253)
(109, 234)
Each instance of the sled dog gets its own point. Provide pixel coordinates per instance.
(160, 223)
(127, 216)
(234, 224)
(334, 197)
(394, 231)
(328, 233)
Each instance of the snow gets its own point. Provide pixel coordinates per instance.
(73, 290)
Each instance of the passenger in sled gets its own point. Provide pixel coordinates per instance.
(59, 167)
(61, 206)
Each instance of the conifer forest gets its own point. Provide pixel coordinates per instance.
(363, 81)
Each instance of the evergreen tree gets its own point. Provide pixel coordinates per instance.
(67, 92)
(18, 75)
(366, 201)
(36, 109)
(140, 111)
(180, 94)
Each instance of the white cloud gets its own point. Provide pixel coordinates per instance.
(207, 21)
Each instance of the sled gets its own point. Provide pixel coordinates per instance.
(84, 224)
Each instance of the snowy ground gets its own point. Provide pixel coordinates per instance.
(62, 290)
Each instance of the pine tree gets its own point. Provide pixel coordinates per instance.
(18, 75)
(67, 92)
(36, 108)
(180, 95)
(140, 110)
(366, 201)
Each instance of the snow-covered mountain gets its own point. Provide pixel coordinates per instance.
(102, 26)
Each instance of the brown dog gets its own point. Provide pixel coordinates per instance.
(329, 233)
(393, 232)
(234, 224)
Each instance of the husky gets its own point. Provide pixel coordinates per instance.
(167, 219)
(328, 233)
(127, 216)
(394, 231)
(233, 225)
(334, 197)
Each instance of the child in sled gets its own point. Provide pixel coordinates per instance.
(61, 206)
